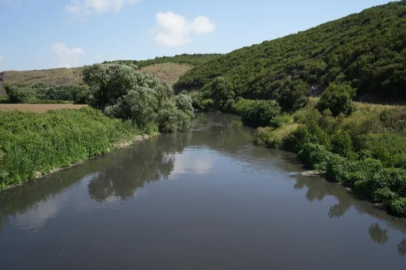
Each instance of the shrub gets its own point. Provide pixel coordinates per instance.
(38, 92)
(337, 99)
(292, 95)
(260, 113)
(221, 91)
(393, 179)
(315, 156)
(342, 144)
(19, 93)
(310, 133)
(122, 91)
(397, 207)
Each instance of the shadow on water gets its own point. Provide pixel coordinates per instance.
(121, 173)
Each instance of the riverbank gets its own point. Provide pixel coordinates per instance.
(33, 145)
(365, 151)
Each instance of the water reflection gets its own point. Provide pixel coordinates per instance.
(318, 189)
(131, 168)
(120, 175)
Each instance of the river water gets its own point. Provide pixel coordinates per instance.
(205, 199)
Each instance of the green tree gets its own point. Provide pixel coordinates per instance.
(221, 92)
(337, 99)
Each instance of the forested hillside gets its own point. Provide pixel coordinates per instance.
(366, 50)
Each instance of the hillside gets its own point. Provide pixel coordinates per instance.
(168, 69)
(365, 49)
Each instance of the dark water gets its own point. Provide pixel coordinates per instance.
(207, 199)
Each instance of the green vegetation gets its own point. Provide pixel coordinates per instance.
(365, 151)
(191, 59)
(122, 91)
(128, 102)
(35, 144)
(366, 51)
(44, 93)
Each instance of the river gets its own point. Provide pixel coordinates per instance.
(204, 199)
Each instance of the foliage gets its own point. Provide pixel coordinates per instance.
(122, 91)
(315, 156)
(38, 92)
(221, 91)
(337, 99)
(33, 144)
(292, 95)
(260, 113)
(366, 49)
(398, 207)
(311, 133)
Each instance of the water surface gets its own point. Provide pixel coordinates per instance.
(205, 199)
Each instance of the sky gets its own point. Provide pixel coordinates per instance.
(45, 34)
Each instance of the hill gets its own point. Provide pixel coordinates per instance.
(366, 50)
(168, 69)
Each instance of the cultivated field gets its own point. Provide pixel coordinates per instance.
(38, 108)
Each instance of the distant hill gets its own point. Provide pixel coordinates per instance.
(367, 50)
(168, 69)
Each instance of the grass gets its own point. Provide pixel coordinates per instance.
(167, 72)
(35, 144)
(37, 108)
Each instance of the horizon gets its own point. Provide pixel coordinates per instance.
(165, 31)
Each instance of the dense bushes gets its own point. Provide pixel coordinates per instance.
(337, 99)
(33, 144)
(38, 92)
(123, 92)
(366, 50)
(365, 151)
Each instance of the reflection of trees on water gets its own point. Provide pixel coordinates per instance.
(377, 234)
(402, 248)
(220, 132)
(318, 189)
(130, 168)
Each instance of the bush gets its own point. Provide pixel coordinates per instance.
(337, 99)
(38, 92)
(221, 91)
(342, 144)
(397, 207)
(122, 91)
(19, 93)
(310, 133)
(260, 113)
(342, 170)
(315, 156)
(393, 179)
(292, 95)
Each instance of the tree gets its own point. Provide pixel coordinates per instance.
(122, 91)
(337, 99)
(292, 95)
(221, 92)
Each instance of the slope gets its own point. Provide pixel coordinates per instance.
(168, 69)
(366, 50)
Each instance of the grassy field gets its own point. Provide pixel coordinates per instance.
(38, 108)
(167, 72)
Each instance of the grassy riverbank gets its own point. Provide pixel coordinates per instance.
(35, 144)
(365, 151)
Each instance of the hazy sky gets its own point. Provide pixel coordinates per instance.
(37, 34)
